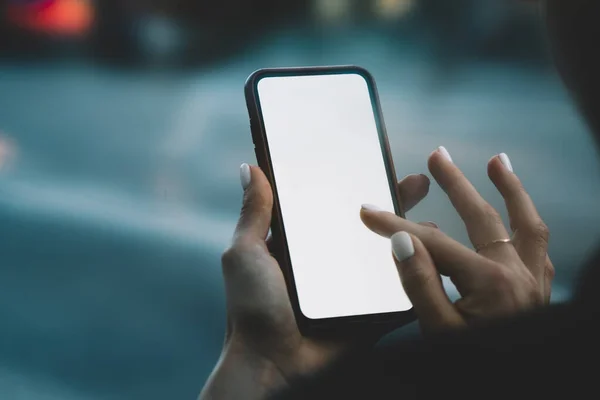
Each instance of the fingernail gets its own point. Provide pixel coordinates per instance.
(445, 153)
(402, 246)
(370, 207)
(432, 224)
(506, 161)
(245, 176)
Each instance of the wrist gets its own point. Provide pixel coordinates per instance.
(242, 373)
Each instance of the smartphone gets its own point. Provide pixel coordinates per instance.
(319, 136)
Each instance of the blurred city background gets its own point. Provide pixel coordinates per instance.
(123, 125)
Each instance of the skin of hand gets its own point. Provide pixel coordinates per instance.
(263, 347)
(247, 369)
(500, 280)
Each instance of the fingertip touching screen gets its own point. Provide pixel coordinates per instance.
(327, 161)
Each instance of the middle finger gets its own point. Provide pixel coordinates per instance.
(484, 224)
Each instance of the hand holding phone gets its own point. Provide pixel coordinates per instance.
(262, 337)
(320, 139)
(264, 348)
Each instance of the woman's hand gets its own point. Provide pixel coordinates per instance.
(263, 348)
(502, 278)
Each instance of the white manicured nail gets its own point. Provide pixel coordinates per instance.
(445, 153)
(402, 246)
(370, 207)
(506, 161)
(245, 176)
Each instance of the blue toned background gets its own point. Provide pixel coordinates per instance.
(123, 125)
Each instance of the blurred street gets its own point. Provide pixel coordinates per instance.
(119, 189)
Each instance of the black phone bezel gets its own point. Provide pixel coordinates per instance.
(307, 325)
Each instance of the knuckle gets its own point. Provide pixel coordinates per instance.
(431, 235)
(429, 232)
(490, 215)
(549, 271)
(230, 256)
(534, 295)
(540, 231)
(236, 253)
(501, 278)
(256, 201)
(263, 198)
(517, 290)
(415, 278)
(484, 214)
(429, 224)
(543, 231)
(530, 284)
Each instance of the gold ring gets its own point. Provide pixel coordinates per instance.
(483, 246)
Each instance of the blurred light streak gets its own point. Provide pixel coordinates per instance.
(58, 17)
(333, 11)
(7, 153)
(394, 9)
(130, 215)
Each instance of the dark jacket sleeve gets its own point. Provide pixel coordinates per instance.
(543, 354)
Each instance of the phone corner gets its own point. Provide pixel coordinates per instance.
(363, 72)
(253, 79)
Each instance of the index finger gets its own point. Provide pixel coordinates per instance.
(452, 259)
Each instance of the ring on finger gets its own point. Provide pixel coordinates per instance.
(492, 243)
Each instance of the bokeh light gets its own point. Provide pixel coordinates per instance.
(58, 17)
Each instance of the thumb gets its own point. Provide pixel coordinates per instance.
(255, 218)
(423, 284)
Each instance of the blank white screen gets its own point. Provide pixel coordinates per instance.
(327, 161)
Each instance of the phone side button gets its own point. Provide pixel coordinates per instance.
(252, 131)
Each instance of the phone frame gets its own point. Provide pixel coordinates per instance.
(307, 325)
